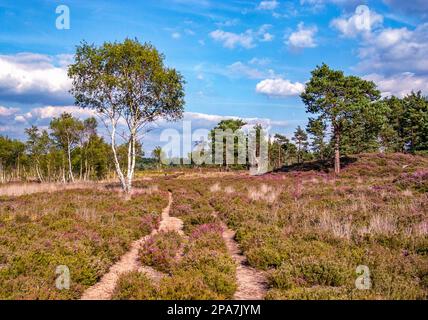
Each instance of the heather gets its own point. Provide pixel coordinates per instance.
(86, 230)
(319, 228)
(306, 229)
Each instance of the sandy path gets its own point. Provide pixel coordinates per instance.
(252, 284)
(103, 290)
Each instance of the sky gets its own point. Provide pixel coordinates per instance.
(240, 58)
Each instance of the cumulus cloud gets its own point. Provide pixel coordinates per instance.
(399, 84)
(231, 40)
(395, 50)
(43, 115)
(279, 87)
(246, 39)
(34, 78)
(268, 5)
(362, 21)
(263, 33)
(303, 37)
(5, 112)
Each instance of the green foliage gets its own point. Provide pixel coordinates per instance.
(11, 156)
(227, 130)
(134, 286)
(317, 129)
(300, 138)
(344, 102)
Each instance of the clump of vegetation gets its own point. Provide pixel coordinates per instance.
(160, 250)
(134, 286)
(417, 180)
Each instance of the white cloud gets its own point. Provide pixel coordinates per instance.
(362, 21)
(279, 87)
(399, 84)
(227, 23)
(259, 61)
(20, 118)
(268, 5)
(263, 33)
(231, 40)
(55, 111)
(303, 37)
(396, 50)
(29, 77)
(239, 69)
(6, 112)
(43, 114)
(246, 39)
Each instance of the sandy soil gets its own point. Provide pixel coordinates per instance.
(252, 284)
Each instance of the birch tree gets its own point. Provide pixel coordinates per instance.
(66, 131)
(129, 87)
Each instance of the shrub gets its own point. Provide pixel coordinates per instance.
(417, 180)
(189, 285)
(160, 250)
(134, 286)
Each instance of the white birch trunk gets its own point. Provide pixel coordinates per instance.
(115, 159)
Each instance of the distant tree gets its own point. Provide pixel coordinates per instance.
(300, 138)
(337, 100)
(66, 131)
(126, 82)
(38, 146)
(11, 153)
(392, 135)
(277, 149)
(97, 156)
(318, 129)
(415, 122)
(158, 154)
(230, 130)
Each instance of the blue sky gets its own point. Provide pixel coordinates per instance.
(248, 59)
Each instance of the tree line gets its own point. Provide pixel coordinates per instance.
(127, 83)
(348, 116)
(70, 149)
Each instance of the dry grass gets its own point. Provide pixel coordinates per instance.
(215, 188)
(13, 190)
(338, 228)
(263, 192)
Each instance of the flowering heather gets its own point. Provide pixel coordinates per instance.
(150, 222)
(160, 250)
(206, 228)
(417, 180)
(86, 230)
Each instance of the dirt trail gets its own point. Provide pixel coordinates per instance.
(252, 284)
(103, 290)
